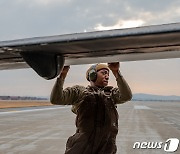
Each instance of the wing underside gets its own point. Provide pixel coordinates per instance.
(143, 43)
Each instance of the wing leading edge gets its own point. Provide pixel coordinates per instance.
(47, 55)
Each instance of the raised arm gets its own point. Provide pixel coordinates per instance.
(123, 88)
(66, 96)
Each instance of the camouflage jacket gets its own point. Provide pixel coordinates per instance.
(73, 95)
(97, 117)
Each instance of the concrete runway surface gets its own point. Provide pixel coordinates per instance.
(44, 130)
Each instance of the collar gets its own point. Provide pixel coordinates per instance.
(95, 88)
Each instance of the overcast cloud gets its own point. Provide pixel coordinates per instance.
(30, 18)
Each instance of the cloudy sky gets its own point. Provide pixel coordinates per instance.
(31, 18)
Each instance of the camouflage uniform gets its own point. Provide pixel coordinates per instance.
(97, 117)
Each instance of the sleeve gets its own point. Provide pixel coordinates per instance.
(123, 93)
(67, 96)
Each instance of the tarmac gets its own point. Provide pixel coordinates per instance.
(45, 130)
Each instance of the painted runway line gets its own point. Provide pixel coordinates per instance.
(141, 107)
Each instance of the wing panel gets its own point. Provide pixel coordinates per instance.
(143, 43)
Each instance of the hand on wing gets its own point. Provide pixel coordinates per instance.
(114, 66)
(64, 71)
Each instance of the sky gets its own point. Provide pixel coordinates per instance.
(32, 18)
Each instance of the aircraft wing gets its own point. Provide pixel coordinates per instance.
(48, 55)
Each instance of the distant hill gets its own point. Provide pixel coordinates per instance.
(150, 97)
(136, 97)
(22, 98)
